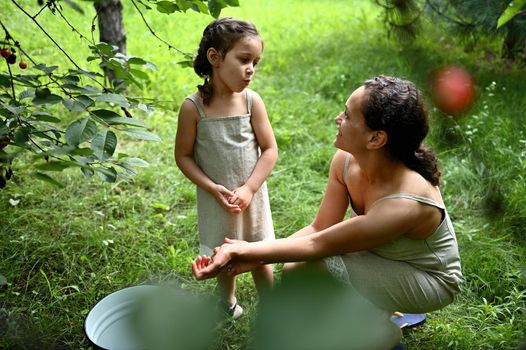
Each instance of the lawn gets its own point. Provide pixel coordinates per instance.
(64, 249)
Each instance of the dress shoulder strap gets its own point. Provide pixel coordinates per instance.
(346, 166)
(249, 101)
(198, 104)
(415, 197)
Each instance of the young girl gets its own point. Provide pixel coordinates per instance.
(225, 145)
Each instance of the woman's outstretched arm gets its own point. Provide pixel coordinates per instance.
(386, 221)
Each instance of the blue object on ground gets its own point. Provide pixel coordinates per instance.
(408, 320)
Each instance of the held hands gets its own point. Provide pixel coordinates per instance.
(242, 197)
(204, 267)
(224, 197)
(223, 260)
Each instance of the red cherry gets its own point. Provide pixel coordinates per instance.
(4, 141)
(22, 64)
(453, 90)
(5, 53)
(11, 59)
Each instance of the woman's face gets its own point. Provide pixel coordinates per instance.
(353, 133)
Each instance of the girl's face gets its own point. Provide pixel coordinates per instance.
(353, 133)
(236, 70)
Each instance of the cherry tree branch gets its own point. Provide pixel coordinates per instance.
(170, 46)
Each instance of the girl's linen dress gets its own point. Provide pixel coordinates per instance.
(227, 151)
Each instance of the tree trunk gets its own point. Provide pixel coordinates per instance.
(514, 45)
(111, 27)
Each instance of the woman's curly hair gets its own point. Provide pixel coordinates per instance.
(397, 107)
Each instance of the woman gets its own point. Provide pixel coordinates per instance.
(398, 249)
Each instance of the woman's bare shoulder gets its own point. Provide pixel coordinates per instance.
(415, 183)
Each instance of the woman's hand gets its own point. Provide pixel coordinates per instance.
(204, 267)
(223, 261)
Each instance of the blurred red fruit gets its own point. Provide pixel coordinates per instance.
(22, 64)
(453, 90)
(5, 53)
(11, 59)
(4, 141)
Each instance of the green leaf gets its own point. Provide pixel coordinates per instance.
(199, 6)
(114, 118)
(139, 74)
(184, 5)
(45, 69)
(45, 117)
(511, 11)
(104, 144)
(56, 151)
(21, 135)
(79, 104)
(72, 79)
(104, 49)
(142, 135)
(233, 3)
(125, 121)
(82, 151)
(215, 7)
(55, 165)
(50, 99)
(143, 4)
(26, 94)
(80, 131)
(108, 174)
(29, 80)
(116, 63)
(42, 92)
(88, 89)
(5, 80)
(70, 150)
(118, 99)
(92, 75)
(144, 107)
(88, 172)
(13, 109)
(129, 169)
(136, 60)
(138, 162)
(167, 7)
(47, 179)
(150, 66)
(186, 63)
(3, 129)
(74, 6)
(105, 113)
(85, 100)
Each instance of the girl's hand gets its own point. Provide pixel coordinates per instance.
(204, 267)
(242, 197)
(223, 196)
(200, 263)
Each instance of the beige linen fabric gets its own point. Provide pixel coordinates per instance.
(226, 149)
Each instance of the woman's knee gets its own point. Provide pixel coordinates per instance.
(291, 267)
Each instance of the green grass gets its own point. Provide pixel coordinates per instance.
(62, 250)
